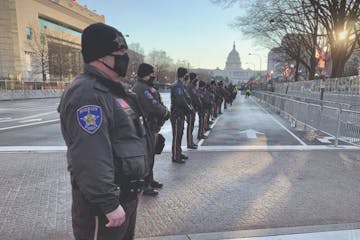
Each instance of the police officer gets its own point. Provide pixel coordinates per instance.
(108, 148)
(190, 117)
(155, 112)
(180, 106)
(205, 105)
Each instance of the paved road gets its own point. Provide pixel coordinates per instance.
(246, 123)
(36, 123)
(212, 192)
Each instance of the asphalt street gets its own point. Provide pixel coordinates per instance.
(216, 191)
(36, 123)
(246, 123)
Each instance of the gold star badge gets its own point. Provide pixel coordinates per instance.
(90, 119)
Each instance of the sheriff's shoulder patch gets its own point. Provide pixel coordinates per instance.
(89, 118)
(148, 95)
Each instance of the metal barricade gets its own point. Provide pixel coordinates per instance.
(343, 124)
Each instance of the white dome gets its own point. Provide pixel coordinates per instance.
(233, 60)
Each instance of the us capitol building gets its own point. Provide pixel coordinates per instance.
(233, 71)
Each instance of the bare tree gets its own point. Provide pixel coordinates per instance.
(64, 57)
(341, 20)
(161, 62)
(40, 54)
(331, 22)
(136, 55)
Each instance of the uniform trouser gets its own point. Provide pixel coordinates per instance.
(201, 129)
(225, 106)
(209, 115)
(190, 120)
(150, 178)
(219, 106)
(86, 225)
(214, 110)
(207, 118)
(177, 124)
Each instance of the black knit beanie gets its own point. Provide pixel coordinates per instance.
(192, 76)
(181, 72)
(99, 40)
(202, 83)
(144, 70)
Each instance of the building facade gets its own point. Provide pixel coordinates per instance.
(41, 39)
(233, 71)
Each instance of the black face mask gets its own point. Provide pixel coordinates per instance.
(186, 78)
(121, 64)
(151, 80)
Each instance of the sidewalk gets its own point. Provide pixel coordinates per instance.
(213, 192)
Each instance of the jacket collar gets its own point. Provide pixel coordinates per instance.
(103, 83)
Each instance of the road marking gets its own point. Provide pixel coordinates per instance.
(167, 149)
(28, 117)
(325, 139)
(208, 132)
(330, 235)
(33, 148)
(251, 133)
(29, 124)
(31, 120)
(275, 120)
(276, 148)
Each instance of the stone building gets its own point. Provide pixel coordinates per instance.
(40, 39)
(233, 71)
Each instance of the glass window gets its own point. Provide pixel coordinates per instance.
(42, 38)
(28, 61)
(29, 33)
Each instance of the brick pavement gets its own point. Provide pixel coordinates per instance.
(212, 192)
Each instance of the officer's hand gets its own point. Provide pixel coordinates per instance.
(116, 218)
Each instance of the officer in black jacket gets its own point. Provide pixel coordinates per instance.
(155, 112)
(180, 106)
(190, 117)
(203, 111)
(109, 150)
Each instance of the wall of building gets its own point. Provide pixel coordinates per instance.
(9, 39)
(19, 14)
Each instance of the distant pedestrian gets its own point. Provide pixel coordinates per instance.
(247, 93)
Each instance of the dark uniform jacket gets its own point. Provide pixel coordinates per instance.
(155, 111)
(205, 97)
(195, 99)
(180, 100)
(108, 148)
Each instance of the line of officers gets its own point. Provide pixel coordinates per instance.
(112, 132)
(189, 96)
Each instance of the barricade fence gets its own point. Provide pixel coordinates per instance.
(8, 85)
(345, 90)
(342, 124)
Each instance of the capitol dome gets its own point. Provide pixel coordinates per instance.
(233, 60)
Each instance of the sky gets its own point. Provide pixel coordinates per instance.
(197, 31)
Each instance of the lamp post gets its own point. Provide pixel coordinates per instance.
(258, 57)
(251, 64)
(253, 67)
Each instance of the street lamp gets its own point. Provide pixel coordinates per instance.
(251, 64)
(259, 59)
